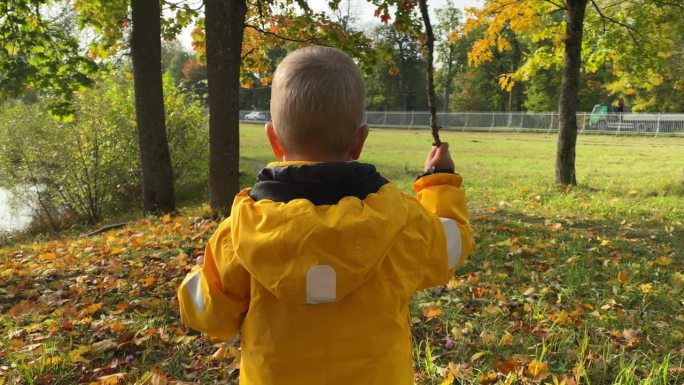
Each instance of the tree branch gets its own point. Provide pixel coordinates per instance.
(560, 7)
(265, 32)
(631, 30)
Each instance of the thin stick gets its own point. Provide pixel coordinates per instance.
(430, 71)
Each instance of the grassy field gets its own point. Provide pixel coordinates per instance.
(576, 286)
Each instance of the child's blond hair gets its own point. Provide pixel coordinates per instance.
(317, 101)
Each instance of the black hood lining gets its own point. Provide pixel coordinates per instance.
(320, 183)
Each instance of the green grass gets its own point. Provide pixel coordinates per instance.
(585, 284)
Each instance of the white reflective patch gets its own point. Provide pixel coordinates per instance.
(453, 241)
(321, 284)
(193, 288)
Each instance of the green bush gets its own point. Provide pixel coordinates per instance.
(88, 169)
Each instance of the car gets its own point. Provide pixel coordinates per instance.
(256, 115)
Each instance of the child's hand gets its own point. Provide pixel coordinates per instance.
(200, 260)
(439, 158)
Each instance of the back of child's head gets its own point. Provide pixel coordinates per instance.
(317, 101)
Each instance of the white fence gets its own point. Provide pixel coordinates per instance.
(629, 123)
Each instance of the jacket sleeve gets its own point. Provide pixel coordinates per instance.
(214, 297)
(441, 194)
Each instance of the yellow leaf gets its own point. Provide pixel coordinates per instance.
(166, 218)
(537, 370)
(449, 379)
(111, 379)
(664, 261)
(488, 336)
(646, 287)
(431, 311)
(76, 354)
(477, 356)
(506, 340)
(51, 360)
(453, 37)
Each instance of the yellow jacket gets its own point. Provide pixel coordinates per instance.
(319, 288)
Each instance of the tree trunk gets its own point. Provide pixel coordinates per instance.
(225, 21)
(569, 99)
(155, 160)
(430, 72)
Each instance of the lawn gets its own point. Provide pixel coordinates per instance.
(580, 285)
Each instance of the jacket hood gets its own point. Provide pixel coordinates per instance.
(313, 233)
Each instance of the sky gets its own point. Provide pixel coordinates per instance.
(364, 10)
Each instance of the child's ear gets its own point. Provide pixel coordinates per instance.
(276, 145)
(359, 140)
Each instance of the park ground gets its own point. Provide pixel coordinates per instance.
(579, 285)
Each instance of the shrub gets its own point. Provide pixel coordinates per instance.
(88, 168)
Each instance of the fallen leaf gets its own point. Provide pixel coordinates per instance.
(506, 339)
(91, 309)
(220, 354)
(23, 307)
(158, 376)
(103, 346)
(111, 379)
(460, 371)
(488, 337)
(431, 311)
(449, 379)
(631, 337)
(487, 378)
(76, 355)
(622, 277)
(537, 370)
(506, 366)
(664, 261)
(147, 281)
(477, 356)
(646, 287)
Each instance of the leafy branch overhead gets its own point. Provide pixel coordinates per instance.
(613, 33)
(39, 53)
(268, 34)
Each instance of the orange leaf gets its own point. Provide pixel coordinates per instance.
(220, 354)
(121, 306)
(118, 326)
(91, 309)
(537, 370)
(431, 311)
(488, 378)
(112, 379)
(622, 277)
(507, 366)
(21, 308)
(158, 376)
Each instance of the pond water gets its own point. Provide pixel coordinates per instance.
(12, 219)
